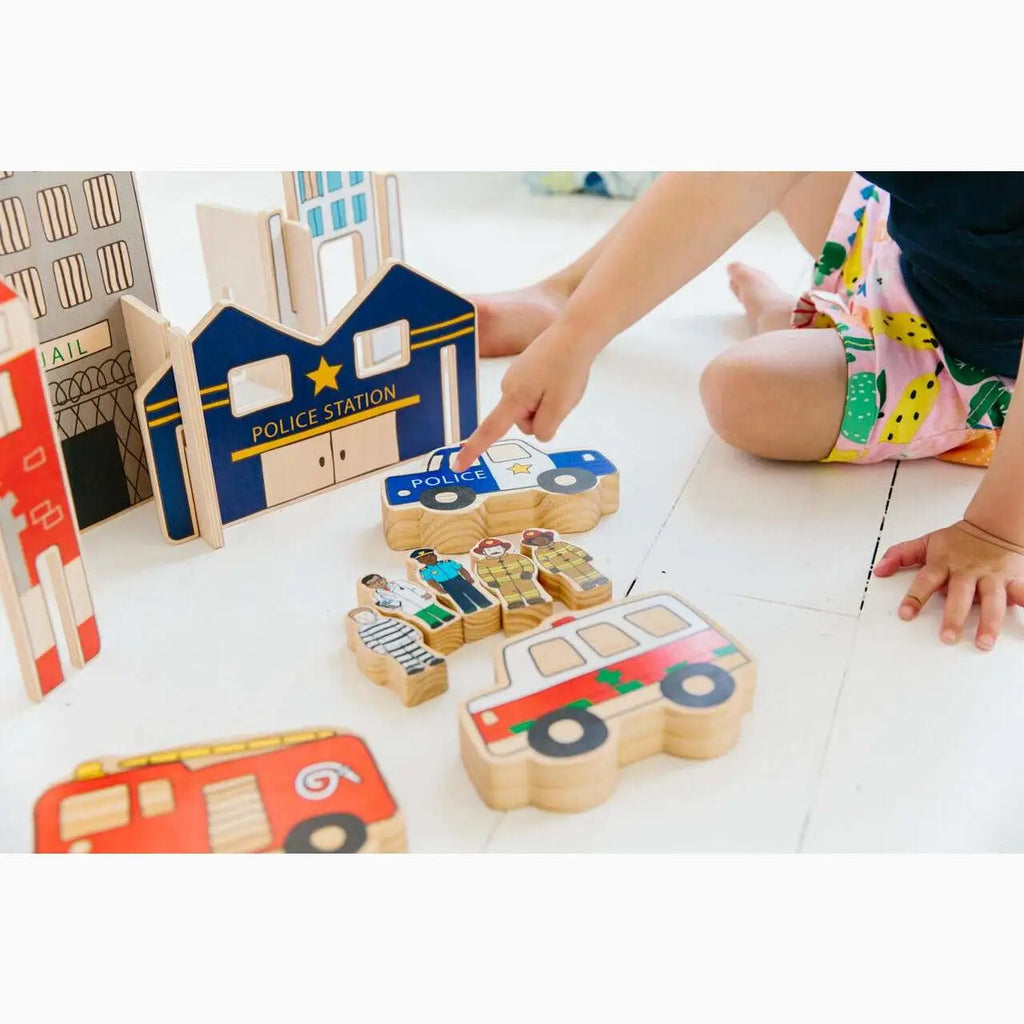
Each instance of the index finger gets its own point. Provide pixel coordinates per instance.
(493, 428)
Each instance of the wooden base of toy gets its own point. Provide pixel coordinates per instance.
(412, 688)
(568, 758)
(518, 620)
(496, 515)
(481, 624)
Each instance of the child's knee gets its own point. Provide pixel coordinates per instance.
(725, 390)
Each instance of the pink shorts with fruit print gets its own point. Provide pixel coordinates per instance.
(906, 398)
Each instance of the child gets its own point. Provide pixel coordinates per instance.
(908, 346)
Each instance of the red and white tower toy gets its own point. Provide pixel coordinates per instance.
(37, 523)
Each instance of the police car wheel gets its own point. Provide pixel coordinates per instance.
(722, 686)
(589, 733)
(328, 833)
(445, 499)
(566, 481)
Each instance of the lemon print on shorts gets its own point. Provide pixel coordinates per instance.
(912, 410)
(853, 268)
(905, 328)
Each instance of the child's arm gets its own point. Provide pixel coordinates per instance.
(677, 229)
(981, 555)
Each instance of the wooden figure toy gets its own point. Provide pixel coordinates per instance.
(567, 572)
(315, 791)
(37, 524)
(391, 653)
(511, 487)
(244, 415)
(513, 577)
(481, 614)
(580, 698)
(72, 244)
(403, 599)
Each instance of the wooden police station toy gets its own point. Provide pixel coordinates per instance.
(585, 695)
(391, 653)
(457, 588)
(315, 791)
(512, 578)
(566, 571)
(37, 523)
(244, 415)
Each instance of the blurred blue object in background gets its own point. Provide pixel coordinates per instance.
(614, 184)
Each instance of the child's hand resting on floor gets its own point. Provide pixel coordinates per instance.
(968, 565)
(541, 387)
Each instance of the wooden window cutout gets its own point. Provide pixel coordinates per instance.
(259, 385)
(606, 639)
(658, 621)
(99, 810)
(556, 655)
(383, 349)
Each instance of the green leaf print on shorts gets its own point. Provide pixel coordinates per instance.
(992, 399)
(965, 373)
(831, 259)
(863, 391)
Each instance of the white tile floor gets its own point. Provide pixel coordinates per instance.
(866, 733)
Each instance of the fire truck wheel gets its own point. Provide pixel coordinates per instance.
(447, 499)
(722, 686)
(566, 481)
(589, 734)
(329, 833)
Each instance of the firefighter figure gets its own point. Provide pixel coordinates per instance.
(512, 575)
(561, 558)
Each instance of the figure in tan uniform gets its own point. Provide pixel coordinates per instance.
(512, 575)
(561, 558)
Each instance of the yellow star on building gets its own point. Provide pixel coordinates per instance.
(520, 467)
(324, 376)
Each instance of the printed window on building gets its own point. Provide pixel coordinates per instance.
(311, 185)
(14, 234)
(315, 218)
(28, 285)
(338, 214)
(260, 385)
(355, 177)
(334, 181)
(57, 213)
(10, 417)
(101, 198)
(359, 208)
(72, 280)
(116, 267)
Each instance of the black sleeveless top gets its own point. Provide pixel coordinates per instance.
(961, 235)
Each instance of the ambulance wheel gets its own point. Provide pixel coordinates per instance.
(447, 499)
(566, 481)
(722, 686)
(329, 833)
(582, 732)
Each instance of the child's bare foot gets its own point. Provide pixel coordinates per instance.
(768, 307)
(508, 321)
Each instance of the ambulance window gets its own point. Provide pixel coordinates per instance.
(507, 452)
(156, 797)
(256, 386)
(552, 656)
(99, 810)
(658, 621)
(606, 639)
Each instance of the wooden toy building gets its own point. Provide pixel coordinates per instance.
(72, 244)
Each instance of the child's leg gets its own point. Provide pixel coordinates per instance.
(509, 321)
(780, 395)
